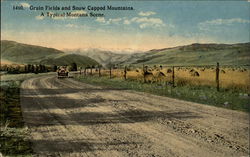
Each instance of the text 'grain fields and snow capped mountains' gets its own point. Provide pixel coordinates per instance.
(75, 8)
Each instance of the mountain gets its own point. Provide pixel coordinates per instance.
(195, 54)
(102, 56)
(30, 54)
(68, 59)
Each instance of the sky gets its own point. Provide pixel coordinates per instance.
(150, 25)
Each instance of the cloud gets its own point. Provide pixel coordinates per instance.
(100, 19)
(25, 4)
(71, 26)
(145, 22)
(59, 18)
(226, 21)
(219, 22)
(115, 20)
(39, 17)
(142, 22)
(149, 13)
(145, 25)
(126, 22)
(109, 21)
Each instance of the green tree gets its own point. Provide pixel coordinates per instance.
(74, 67)
(54, 68)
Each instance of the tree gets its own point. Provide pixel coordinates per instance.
(29, 69)
(26, 69)
(44, 68)
(36, 69)
(40, 69)
(54, 68)
(32, 68)
(74, 67)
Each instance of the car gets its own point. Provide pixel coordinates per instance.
(62, 72)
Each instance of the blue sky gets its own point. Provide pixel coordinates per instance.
(151, 25)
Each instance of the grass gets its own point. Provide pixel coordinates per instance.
(13, 134)
(233, 79)
(230, 99)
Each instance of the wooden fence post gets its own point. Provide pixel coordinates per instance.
(110, 72)
(99, 70)
(91, 70)
(144, 76)
(125, 73)
(217, 76)
(173, 76)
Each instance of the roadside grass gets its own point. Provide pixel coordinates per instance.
(13, 134)
(237, 79)
(226, 98)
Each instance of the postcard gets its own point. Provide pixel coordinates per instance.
(139, 78)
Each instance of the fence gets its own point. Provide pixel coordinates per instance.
(211, 75)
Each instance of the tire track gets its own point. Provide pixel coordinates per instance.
(86, 120)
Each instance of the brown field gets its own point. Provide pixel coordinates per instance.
(235, 78)
(6, 62)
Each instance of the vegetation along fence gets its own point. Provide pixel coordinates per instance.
(219, 76)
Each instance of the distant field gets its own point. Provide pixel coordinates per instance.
(230, 78)
(6, 62)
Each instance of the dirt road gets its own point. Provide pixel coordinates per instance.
(69, 118)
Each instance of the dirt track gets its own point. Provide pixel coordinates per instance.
(69, 118)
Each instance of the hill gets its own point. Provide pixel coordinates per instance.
(101, 56)
(67, 59)
(196, 54)
(30, 54)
